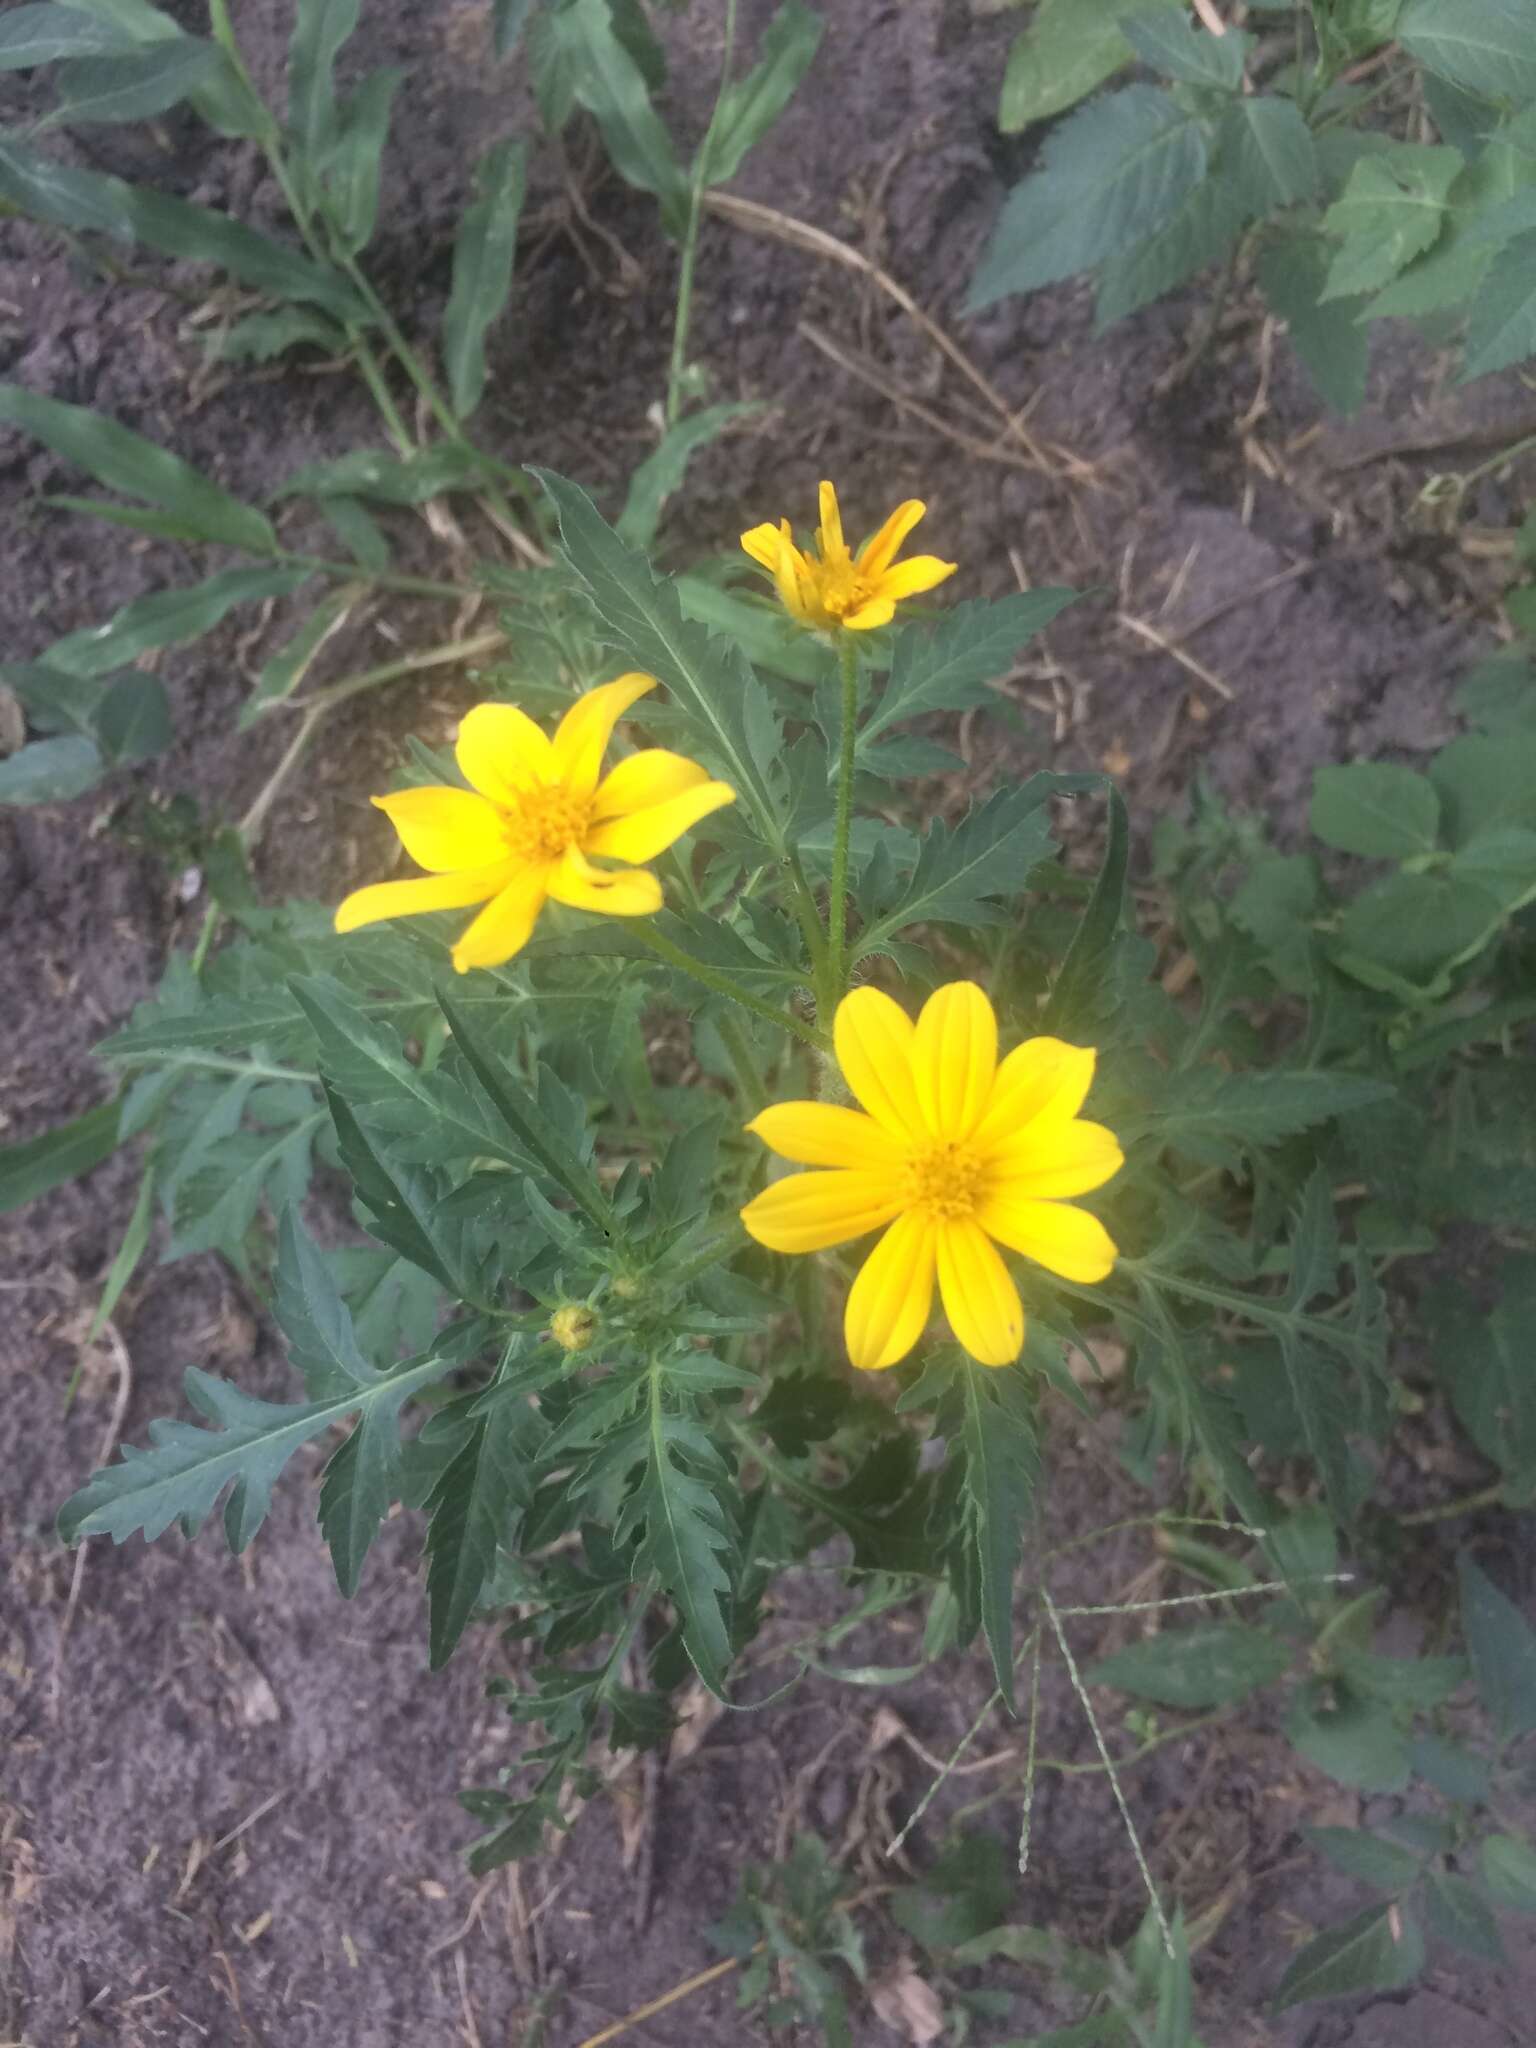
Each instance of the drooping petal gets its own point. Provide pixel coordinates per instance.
(1049, 1160)
(500, 751)
(829, 535)
(1055, 1235)
(809, 1212)
(1043, 1075)
(442, 829)
(640, 780)
(644, 834)
(794, 581)
(762, 544)
(892, 1296)
(503, 927)
(422, 893)
(912, 577)
(980, 1299)
(823, 1134)
(582, 736)
(616, 892)
(875, 611)
(954, 1058)
(882, 548)
(874, 1040)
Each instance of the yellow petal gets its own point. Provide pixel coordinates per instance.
(442, 829)
(878, 553)
(890, 1300)
(954, 1058)
(1064, 1240)
(644, 834)
(503, 927)
(822, 1134)
(1049, 1160)
(829, 535)
(874, 1039)
(616, 892)
(912, 577)
(794, 581)
(582, 736)
(1043, 1075)
(424, 892)
(875, 611)
(762, 544)
(649, 777)
(980, 1298)
(501, 751)
(808, 1212)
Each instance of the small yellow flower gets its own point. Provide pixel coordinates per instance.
(535, 810)
(828, 587)
(950, 1152)
(574, 1326)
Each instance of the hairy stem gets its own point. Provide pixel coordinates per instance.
(837, 901)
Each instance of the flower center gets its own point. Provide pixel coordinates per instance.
(546, 822)
(843, 590)
(945, 1179)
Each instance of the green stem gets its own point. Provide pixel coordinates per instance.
(678, 363)
(354, 572)
(837, 901)
(748, 1079)
(723, 985)
(390, 671)
(1469, 1504)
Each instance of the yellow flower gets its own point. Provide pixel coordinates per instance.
(535, 810)
(950, 1152)
(828, 587)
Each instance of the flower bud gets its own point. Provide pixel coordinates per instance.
(574, 1326)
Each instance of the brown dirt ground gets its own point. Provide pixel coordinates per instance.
(228, 1814)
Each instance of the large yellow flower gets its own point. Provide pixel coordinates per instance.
(951, 1151)
(828, 587)
(535, 811)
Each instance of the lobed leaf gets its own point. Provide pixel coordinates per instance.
(948, 667)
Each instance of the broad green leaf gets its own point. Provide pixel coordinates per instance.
(482, 270)
(64, 1153)
(167, 618)
(1501, 328)
(1069, 48)
(51, 771)
(1486, 783)
(1509, 1871)
(1502, 1646)
(474, 1508)
(1456, 1773)
(663, 470)
(1381, 1949)
(1418, 1682)
(1454, 1911)
(1198, 235)
(1393, 209)
(1327, 337)
(1375, 1862)
(134, 721)
(391, 479)
(1211, 1666)
(351, 165)
(1188, 54)
(611, 86)
(320, 27)
(125, 461)
(1375, 808)
(133, 87)
(1112, 173)
(42, 33)
(1001, 1470)
(1414, 926)
(1077, 993)
(185, 1469)
(1484, 1361)
(959, 872)
(1265, 145)
(711, 683)
(749, 106)
(1486, 46)
(948, 667)
(1356, 1741)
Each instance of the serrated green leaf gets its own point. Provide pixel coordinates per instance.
(1367, 1857)
(1211, 1666)
(749, 106)
(1509, 1871)
(1069, 48)
(133, 86)
(1356, 1741)
(351, 165)
(1327, 337)
(1199, 234)
(474, 1507)
(1392, 209)
(1259, 1109)
(1502, 1646)
(1484, 1361)
(1486, 46)
(1001, 1469)
(608, 82)
(1381, 1949)
(1113, 172)
(42, 33)
(483, 256)
(1454, 1911)
(1501, 328)
(167, 618)
(1375, 808)
(134, 721)
(988, 854)
(51, 771)
(405, 1204)
(314, 1318)
(948, 667)
(687, 1536)
(1077, 993)
(1188, 54)
(664, 469)
(1266, 146)
(53, 1157)
(710, 681)
(125, 461)
(1455, 1773)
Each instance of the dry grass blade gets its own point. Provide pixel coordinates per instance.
(1145, 630)
(984, 451)
(113, 1430)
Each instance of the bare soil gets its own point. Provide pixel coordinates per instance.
(228, 1813)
